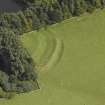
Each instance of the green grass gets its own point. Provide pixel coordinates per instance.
(46, 50)
(79, 77)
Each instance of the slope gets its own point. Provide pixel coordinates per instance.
(79, 77)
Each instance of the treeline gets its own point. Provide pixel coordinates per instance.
(16, 66)
(40, 13)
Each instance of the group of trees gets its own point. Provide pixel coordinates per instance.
(16, 66)
(40, 13)
(17, 69)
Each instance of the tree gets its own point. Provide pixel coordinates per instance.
(24, 22)
(55, 15)
(66, 12)
(36, 24)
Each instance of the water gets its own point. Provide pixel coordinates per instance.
(9, 6)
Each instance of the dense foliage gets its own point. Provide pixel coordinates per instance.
(40, 13)
(16, 66)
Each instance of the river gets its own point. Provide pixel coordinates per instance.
(9, 6)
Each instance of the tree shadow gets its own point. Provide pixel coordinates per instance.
(4, 61)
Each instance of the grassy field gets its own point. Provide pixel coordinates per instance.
(79, 76)
(45, 49)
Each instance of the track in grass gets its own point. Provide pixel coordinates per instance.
(46, 50)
